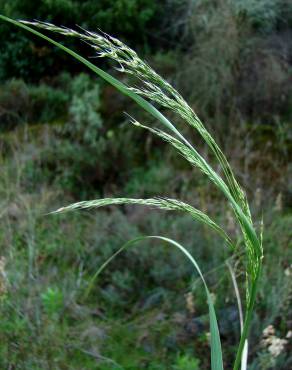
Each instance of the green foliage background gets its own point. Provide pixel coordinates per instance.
(64, 138)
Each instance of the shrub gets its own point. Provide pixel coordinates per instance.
(17, 59)
(85, 121)
(23, 103)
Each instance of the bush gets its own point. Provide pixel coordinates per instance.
(249, 42)
(84, 118)
(23, 103)
(75, 100)
(20, 58)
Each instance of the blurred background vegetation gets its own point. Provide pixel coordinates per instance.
(64, 138)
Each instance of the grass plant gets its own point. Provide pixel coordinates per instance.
(153, 89)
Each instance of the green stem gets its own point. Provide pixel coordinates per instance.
(247, 322)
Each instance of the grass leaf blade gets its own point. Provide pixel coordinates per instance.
(216, 350)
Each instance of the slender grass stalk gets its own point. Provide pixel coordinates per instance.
(240, 312)
(154, 88)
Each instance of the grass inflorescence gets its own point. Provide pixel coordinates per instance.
(154, 89)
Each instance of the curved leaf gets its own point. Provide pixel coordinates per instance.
(216, 351)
